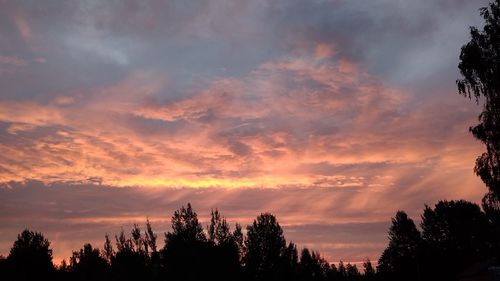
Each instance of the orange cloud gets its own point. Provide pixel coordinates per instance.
(295, 121)
(323, 51)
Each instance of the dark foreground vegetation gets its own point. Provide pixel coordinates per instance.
(456, 239)
(189, 253)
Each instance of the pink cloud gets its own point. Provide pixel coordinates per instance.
(260, 130)
(323, 51)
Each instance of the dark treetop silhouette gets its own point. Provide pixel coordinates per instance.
(188, 254)
(455, 234)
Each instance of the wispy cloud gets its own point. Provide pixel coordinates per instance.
(296, 120)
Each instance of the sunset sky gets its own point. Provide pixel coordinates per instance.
(332, 115)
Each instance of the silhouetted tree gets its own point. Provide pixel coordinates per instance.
(399, 261)
(186, 254)
(352, 272)
(341, 270)
(122, 243)
(312, 266)
(218, 230)
(239, 240)
(264, 245)
(224, 255)
(369, 271)
(3, 266)
(30, 258)
(333, 273)
(480, 68)
(491, 207)
(88, 264)
(456, 234)
(154, 256)
(63, 271)
(185, 226)
(108, 251)
(289, 263)
(130, 260)
(150, 238)
(323, 264)
(139, 243)
(308, 269)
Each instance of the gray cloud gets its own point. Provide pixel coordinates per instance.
(88, 43)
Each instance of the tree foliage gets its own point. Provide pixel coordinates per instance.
(218, 231)
(89, 264)
(185, 226)
(480, 69)
(264, 245)
(30, 257)
(399, 259)
(369, 270)
(455, 234)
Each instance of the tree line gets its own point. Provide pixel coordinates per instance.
(189, 253)
(454, 235)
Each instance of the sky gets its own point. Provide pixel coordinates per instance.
(331, 114)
